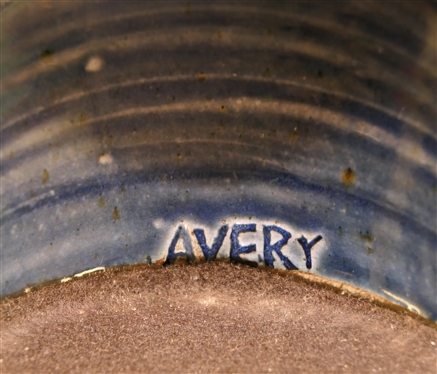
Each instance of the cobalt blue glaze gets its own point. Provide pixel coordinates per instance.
(271, 134)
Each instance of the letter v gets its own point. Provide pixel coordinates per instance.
(211, 253)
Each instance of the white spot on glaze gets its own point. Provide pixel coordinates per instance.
(94, 64)
(409, 306)
(99, 268)
(64, 280)
(158, 224)
(105, 159)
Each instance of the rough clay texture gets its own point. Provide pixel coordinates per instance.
(208, 318)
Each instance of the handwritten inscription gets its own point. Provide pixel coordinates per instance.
(190, 246)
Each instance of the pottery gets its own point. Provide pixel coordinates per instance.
(279, 135)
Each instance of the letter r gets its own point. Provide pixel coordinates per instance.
(269, 248)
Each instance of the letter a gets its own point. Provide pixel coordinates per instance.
(172, 256)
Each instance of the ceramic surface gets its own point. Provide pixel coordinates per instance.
(275, 134)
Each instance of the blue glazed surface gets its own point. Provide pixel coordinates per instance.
(222, 131)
